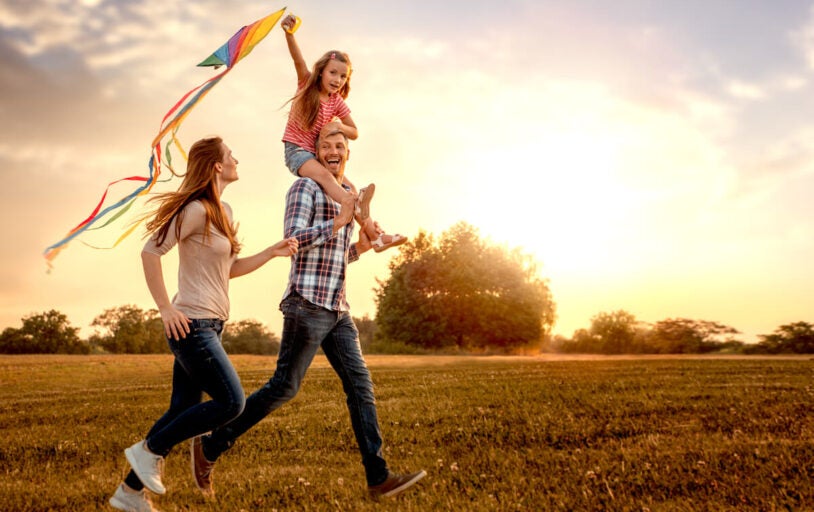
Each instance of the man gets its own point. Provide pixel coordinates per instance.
(316, 314)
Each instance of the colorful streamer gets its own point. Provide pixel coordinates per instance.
(229, 54)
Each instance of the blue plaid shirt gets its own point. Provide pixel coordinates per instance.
(318, 268)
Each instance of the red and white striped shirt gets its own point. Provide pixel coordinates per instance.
(334, 106)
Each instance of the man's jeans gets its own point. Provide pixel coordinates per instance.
(201, 365)
(306, 327)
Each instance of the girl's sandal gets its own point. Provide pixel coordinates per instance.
(380, 244)
(363, 202)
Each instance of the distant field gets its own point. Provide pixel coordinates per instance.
(493, 433)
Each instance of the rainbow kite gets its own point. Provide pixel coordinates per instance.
(238, 46)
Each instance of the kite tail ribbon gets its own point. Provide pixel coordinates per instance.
(229, 54)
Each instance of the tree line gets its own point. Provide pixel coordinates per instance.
(122, 330)
(456, 293)
(619, 332)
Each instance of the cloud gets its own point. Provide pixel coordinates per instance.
(746, 91)
(804, 39)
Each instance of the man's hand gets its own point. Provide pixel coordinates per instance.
(363, 245)
(346, 212)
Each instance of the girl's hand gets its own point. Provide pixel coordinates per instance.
(288, 23)
(176, 324)
(331, 127)
(287, 247)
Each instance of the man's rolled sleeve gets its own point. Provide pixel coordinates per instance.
(299, 212)
(353, 254)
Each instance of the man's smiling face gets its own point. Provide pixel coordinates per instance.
(332, 152)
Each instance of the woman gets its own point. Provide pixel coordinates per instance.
(201, 225)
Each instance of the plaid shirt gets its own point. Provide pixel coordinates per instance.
(318, 268)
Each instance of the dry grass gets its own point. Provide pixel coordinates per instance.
(494, 433)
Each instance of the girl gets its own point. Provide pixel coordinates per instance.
(318, 102)
(201, 225)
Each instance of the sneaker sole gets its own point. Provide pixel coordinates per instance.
(119, 505)
(132, 460)
(406, 485)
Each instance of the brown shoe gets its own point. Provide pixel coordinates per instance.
(395, 484)
(201, 468)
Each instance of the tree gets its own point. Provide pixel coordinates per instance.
(582, 342)
(620, 333)
(43, 333)
(610, 333)
(130, 330)
(795, 338)
(249, 337)
(615, 331)
(13, 341)
(685, 336)
(463, 292)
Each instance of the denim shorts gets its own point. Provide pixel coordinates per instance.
(295, 156)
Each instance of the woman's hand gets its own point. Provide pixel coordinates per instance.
(176, 324)
(287, 247)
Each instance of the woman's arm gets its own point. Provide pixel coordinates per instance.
(243, 266)
(176, 324)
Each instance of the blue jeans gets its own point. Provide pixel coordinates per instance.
(201, 365)
(306, 327)
(295, 157)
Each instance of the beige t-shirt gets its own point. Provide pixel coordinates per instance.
(204, 265)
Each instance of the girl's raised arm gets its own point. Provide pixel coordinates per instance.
(294, 49)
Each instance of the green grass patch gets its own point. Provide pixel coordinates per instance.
(493, 433)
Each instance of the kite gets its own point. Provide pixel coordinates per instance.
(235, 49)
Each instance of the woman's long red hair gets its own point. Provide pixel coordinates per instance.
(199, 184)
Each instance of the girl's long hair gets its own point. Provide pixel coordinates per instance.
(306, 101)
(199, 184)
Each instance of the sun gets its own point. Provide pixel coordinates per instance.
(560, 199)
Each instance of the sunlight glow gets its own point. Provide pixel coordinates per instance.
(559, 198)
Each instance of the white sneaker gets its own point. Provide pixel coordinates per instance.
(147, 465)
(129, 500)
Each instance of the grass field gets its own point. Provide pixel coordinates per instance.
(493, 434)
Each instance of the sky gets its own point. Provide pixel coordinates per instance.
(655, 157)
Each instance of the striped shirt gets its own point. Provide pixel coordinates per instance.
(318, 268)
(334, 106)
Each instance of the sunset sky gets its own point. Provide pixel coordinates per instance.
(653, 156)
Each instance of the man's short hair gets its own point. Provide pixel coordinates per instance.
(329, 134)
